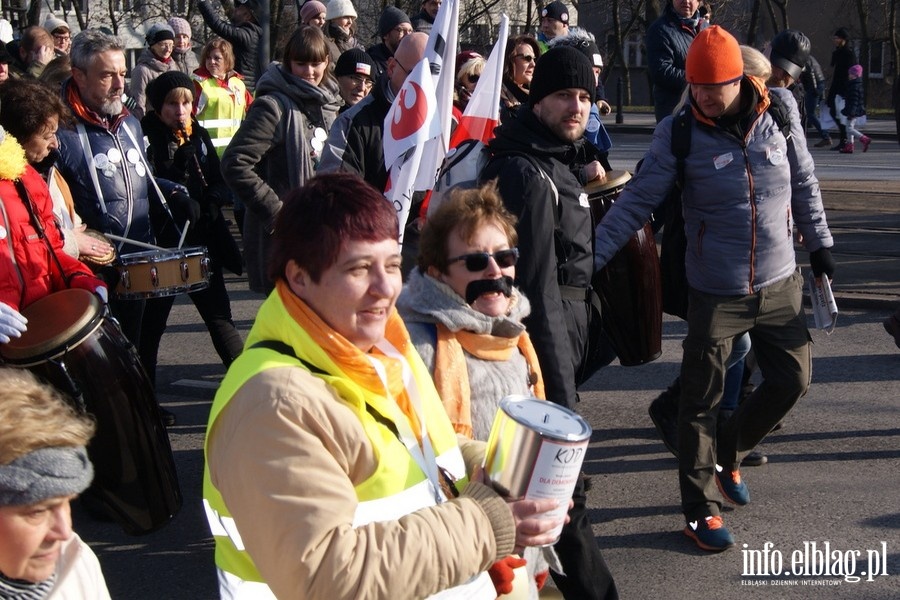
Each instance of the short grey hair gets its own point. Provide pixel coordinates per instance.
(88, 44)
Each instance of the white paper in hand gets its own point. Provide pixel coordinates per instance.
(825, 310)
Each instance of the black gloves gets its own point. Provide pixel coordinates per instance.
(183, 159)
(822, 262)
(184, 208)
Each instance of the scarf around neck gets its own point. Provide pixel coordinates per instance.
(451, 375)
(352, 361)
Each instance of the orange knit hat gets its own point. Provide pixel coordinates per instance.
(714, 58)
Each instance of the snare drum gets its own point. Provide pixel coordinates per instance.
(81, 352)
(158, 273)
(629, 284)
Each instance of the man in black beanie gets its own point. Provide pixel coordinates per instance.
(393, 26)
(355, 72)
(532, 154)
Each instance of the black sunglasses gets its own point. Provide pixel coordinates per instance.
(478, 261)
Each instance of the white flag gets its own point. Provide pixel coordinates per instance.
(409, 124)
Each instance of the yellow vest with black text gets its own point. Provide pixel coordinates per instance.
(397, 487)
(220, 110)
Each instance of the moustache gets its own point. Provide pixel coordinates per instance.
(486, 286)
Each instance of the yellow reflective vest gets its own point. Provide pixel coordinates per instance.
(220, 110)
(397, 487)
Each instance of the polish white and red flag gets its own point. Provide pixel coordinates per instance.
(482, 113)
(417, 127)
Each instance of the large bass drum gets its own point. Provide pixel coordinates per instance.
(629, 284)
(71, 343)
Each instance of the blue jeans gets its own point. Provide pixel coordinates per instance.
(812, 109)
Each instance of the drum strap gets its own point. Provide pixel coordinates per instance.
(12, 252)
(39, 227)
(151, 178)
(580, 294)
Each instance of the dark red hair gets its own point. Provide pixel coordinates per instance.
(316, 219)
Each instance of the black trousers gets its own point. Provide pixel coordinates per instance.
(587, 576)
(214, 307)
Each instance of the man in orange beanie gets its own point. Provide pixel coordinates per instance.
(744, 187)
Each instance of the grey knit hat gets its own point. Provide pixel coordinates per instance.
(45, 473)
(159, 32)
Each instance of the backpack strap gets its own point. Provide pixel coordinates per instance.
(681, 142)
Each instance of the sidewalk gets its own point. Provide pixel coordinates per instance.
(864, 217)
(876, 127)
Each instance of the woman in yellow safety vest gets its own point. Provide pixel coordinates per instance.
(221, 97)
(332, 469)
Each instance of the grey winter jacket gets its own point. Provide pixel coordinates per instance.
(741, 199)
(271, 155)
(147, 68)
(426, 301)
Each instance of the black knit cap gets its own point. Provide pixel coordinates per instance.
(159, 88)
(561, 68)
(790, 51)
(159, 32)
(556, 10)
(842, 33)
(355, 61)
(390, 18)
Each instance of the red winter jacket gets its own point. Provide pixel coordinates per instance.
(27, 271)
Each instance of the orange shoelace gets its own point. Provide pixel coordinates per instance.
(715, 522)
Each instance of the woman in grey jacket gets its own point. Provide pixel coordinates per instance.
(155, 60)
(277, 147)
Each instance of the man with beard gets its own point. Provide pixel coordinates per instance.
(393, 26)
(745, 187)
(532, 154)
(102, 160)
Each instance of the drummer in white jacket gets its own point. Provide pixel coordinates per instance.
(43, 466)
(746, 186)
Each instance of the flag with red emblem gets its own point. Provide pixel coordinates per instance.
(410, 122)
(417, 127)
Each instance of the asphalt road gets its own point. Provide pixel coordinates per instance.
(831, 476)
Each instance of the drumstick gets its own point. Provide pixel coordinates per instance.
(133, 242)
(184, 231)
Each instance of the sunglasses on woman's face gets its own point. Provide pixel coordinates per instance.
(526, 57)
(478, 261)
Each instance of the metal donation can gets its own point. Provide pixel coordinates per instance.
(535, 450)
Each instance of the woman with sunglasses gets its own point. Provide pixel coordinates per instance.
(465, 318)
(466, 80)
(521, 54)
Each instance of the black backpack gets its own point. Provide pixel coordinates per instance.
(674, 242)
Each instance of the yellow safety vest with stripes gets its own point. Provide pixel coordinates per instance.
(397, 487)
(220, 110)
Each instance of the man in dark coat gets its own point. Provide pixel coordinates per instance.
(393, 26)
(532, 154)
(243, 32)
(667, 41)
(842, 58)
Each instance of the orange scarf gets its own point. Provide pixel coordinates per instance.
(73, 98)
(451, 376)
(183, 135)
(353, 362)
